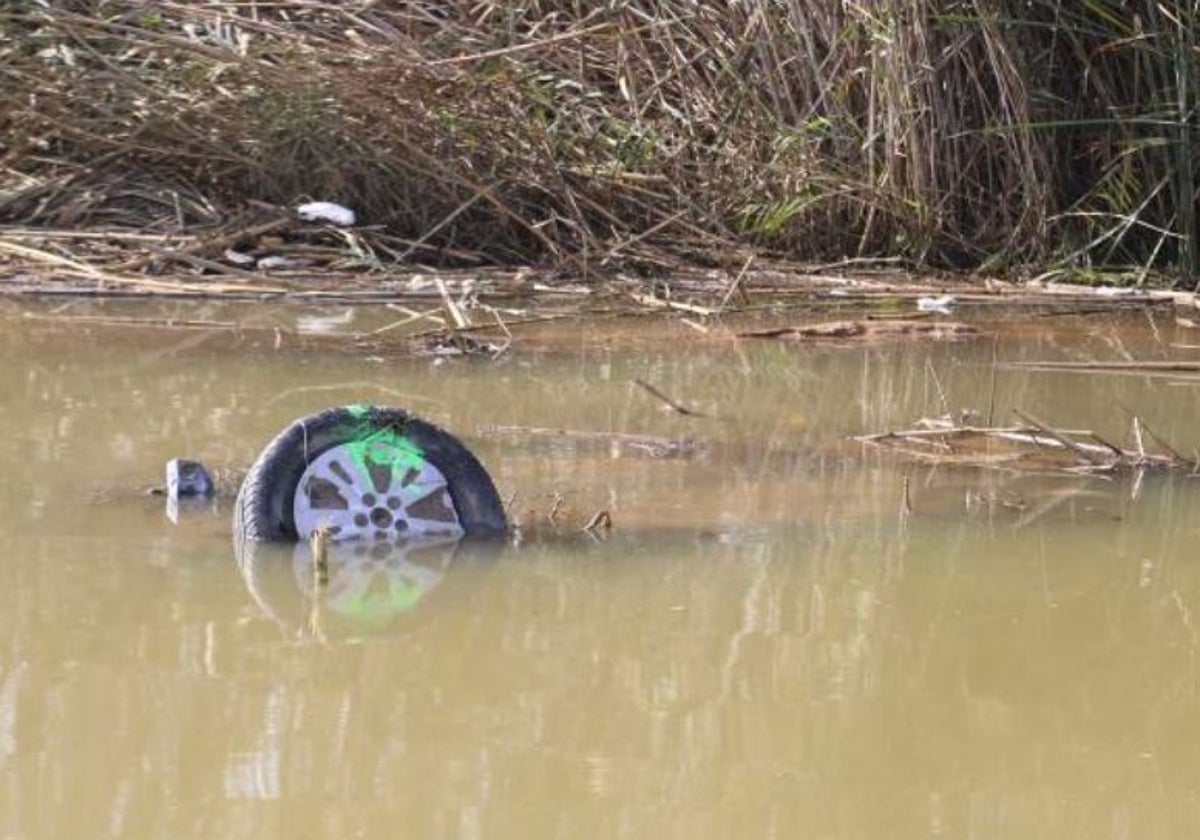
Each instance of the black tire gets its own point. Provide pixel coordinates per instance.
(263, 511)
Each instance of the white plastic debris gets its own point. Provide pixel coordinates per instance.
(941, 304)
(1116, 291)
(274, 262)
(326, 211)
(237, 257)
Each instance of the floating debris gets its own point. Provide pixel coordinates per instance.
(868, 330)
(278, 261)
(454, 343)
(188, 478)
(238, 258)
(600, 525)
(1029, 447)
(1181, 369)
(674, 405)
(942, 304)
(326, 211)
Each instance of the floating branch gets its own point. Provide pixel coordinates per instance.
(1035, 446)
(677, 407)
(868, 330)
(1110, 367)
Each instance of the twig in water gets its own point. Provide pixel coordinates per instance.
(319, 542)
(678, 408)
(508, 336)
(736, 284)
(126, 321)
(601, 521)
(1065, 441)
(412, 316)
(1170, 450)
(1112, 447)
(937, 383)
(1137, 438)
(460, 320)
(991, 411)
(660, 303)
(1119, 366)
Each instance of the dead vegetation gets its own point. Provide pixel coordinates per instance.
(1032, 446)
(555, 519)
(143, 139)
(868, 330)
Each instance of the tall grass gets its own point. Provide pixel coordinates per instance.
(993, 133)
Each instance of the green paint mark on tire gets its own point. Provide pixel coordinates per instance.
(384, 447)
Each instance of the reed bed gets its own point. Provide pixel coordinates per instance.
(583, 137)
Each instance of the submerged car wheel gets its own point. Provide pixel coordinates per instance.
(366, 472)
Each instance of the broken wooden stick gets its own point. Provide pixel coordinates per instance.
(677, 407)
(1081, 451)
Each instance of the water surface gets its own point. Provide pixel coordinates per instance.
(765, 647)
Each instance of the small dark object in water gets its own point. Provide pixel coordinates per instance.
(188, 478)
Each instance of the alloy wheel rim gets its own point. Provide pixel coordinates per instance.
(382, 490)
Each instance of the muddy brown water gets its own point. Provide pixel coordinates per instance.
(763, 649)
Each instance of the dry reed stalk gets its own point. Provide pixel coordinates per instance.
(646, 133)
(1036, 447)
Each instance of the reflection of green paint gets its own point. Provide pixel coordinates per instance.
(358, 411)
(374, 606)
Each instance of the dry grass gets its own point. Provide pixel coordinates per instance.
(585, 136)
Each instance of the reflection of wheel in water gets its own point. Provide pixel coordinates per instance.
(373, 582)
(372, 586)
(366, 472)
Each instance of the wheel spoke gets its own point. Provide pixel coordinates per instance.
(419, 484)
(434, 506)
(322, 494)
(381, 475)
(340, 473)
(432, 514)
